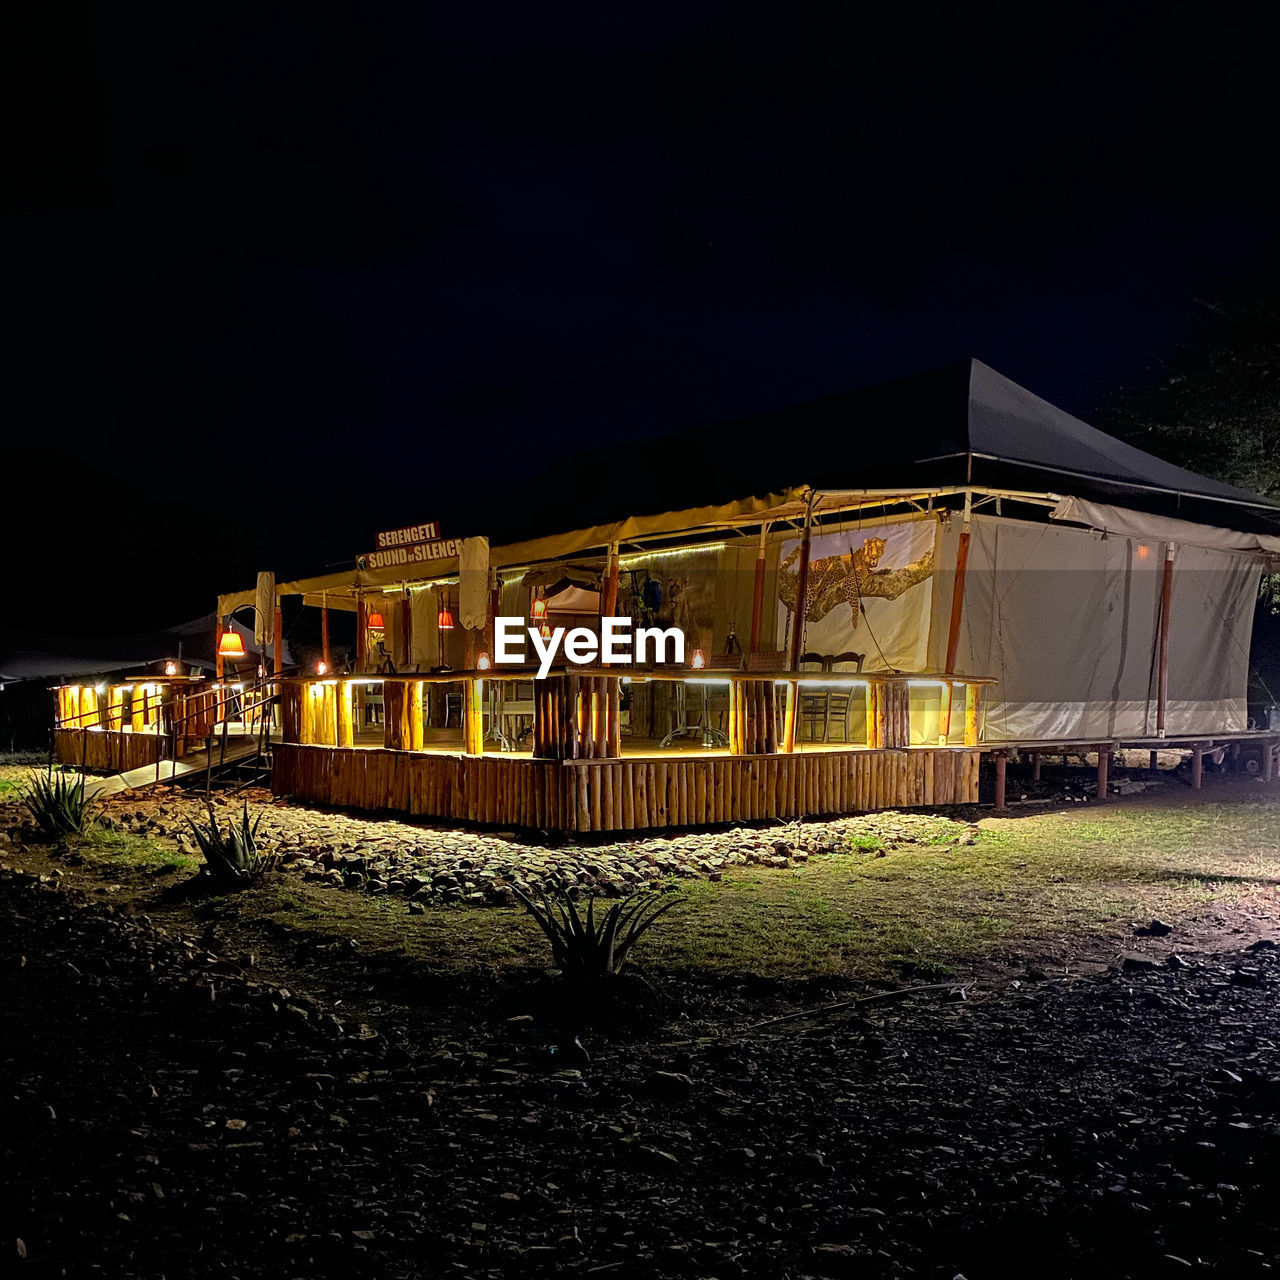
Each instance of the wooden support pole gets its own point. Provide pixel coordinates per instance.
(802, 588)
(957, 587)
(345, 735)
(362, 633)
(1035, 766)
(473, 716)
(324, 632)
(790, 714)
(395, 724)
(1104, 763)
(1197, 765)
(1154, 762)
(217, 646)
(413, 715)
(972, 707)
(277, 657)
(1002, 764)
(1162, 653)
(609, 593)
(757, 592)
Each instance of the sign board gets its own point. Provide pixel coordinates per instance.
(407, 537)
(417, 554)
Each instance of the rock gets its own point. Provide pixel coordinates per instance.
(671, 1085)
(1133, 961)
(1156, 929)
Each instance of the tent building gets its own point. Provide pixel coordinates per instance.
(929, 573)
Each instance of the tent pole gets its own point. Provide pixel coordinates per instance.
(1162, 657)
(757, 591)
(957, 589)
(802, 587)
(609, 595)
(362, 633)
(957, 612)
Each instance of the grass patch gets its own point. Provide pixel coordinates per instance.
(934, 905)
(125, 847)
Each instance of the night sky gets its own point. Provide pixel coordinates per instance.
(282, 277)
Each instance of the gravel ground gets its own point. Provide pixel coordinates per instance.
(166, 1112)
(447, 864)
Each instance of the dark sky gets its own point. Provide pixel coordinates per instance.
(284, 276)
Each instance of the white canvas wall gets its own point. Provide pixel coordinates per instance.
(892, 632)
(1067, 621)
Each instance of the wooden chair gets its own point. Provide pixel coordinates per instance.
(815, 704)
(840, 700)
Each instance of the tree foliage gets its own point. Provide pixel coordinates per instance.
(1214, 405)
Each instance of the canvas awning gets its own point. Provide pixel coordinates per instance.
(1153, 528)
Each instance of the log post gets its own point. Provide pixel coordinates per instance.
(395, 723)
(957, 609)
(1162, 653)
(291, 711)
(413, 715)
(1002, 763)
(1153, 762)
(548, 725)
(1197, 765)
(802, 587)
(1035, 766)
(278, 639)
(972, 707)
(345, 731)
(362, 633)
(473, 716)
(757, 591)
(1104, 762)
(324, 631)
(789, 717)
(609, 591)
(217, 646)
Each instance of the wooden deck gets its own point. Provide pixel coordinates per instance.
(639, 793)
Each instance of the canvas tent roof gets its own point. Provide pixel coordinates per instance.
(963, 425)
(29, 655)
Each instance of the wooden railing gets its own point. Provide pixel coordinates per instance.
(577, 715)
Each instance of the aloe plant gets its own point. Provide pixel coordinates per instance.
(588, 951)
(233, 859)
(58, 803)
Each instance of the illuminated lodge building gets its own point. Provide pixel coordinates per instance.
(931, 572)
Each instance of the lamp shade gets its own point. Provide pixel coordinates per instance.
(699, 660)
(376, 623)
(230, 645)
(482, 662)
(538, 610)
(444, 619)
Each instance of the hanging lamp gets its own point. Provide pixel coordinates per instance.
(229, 643)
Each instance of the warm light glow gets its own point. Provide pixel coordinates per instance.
(171, 668)
(538, 610)
(544, 631)
(321, 667)
(99, 688)
(230, 645)
(699, 660)
(376, 623)
(482, 662)
(444, 619)
(1143, 551)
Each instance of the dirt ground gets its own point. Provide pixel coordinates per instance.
(284, 1086)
